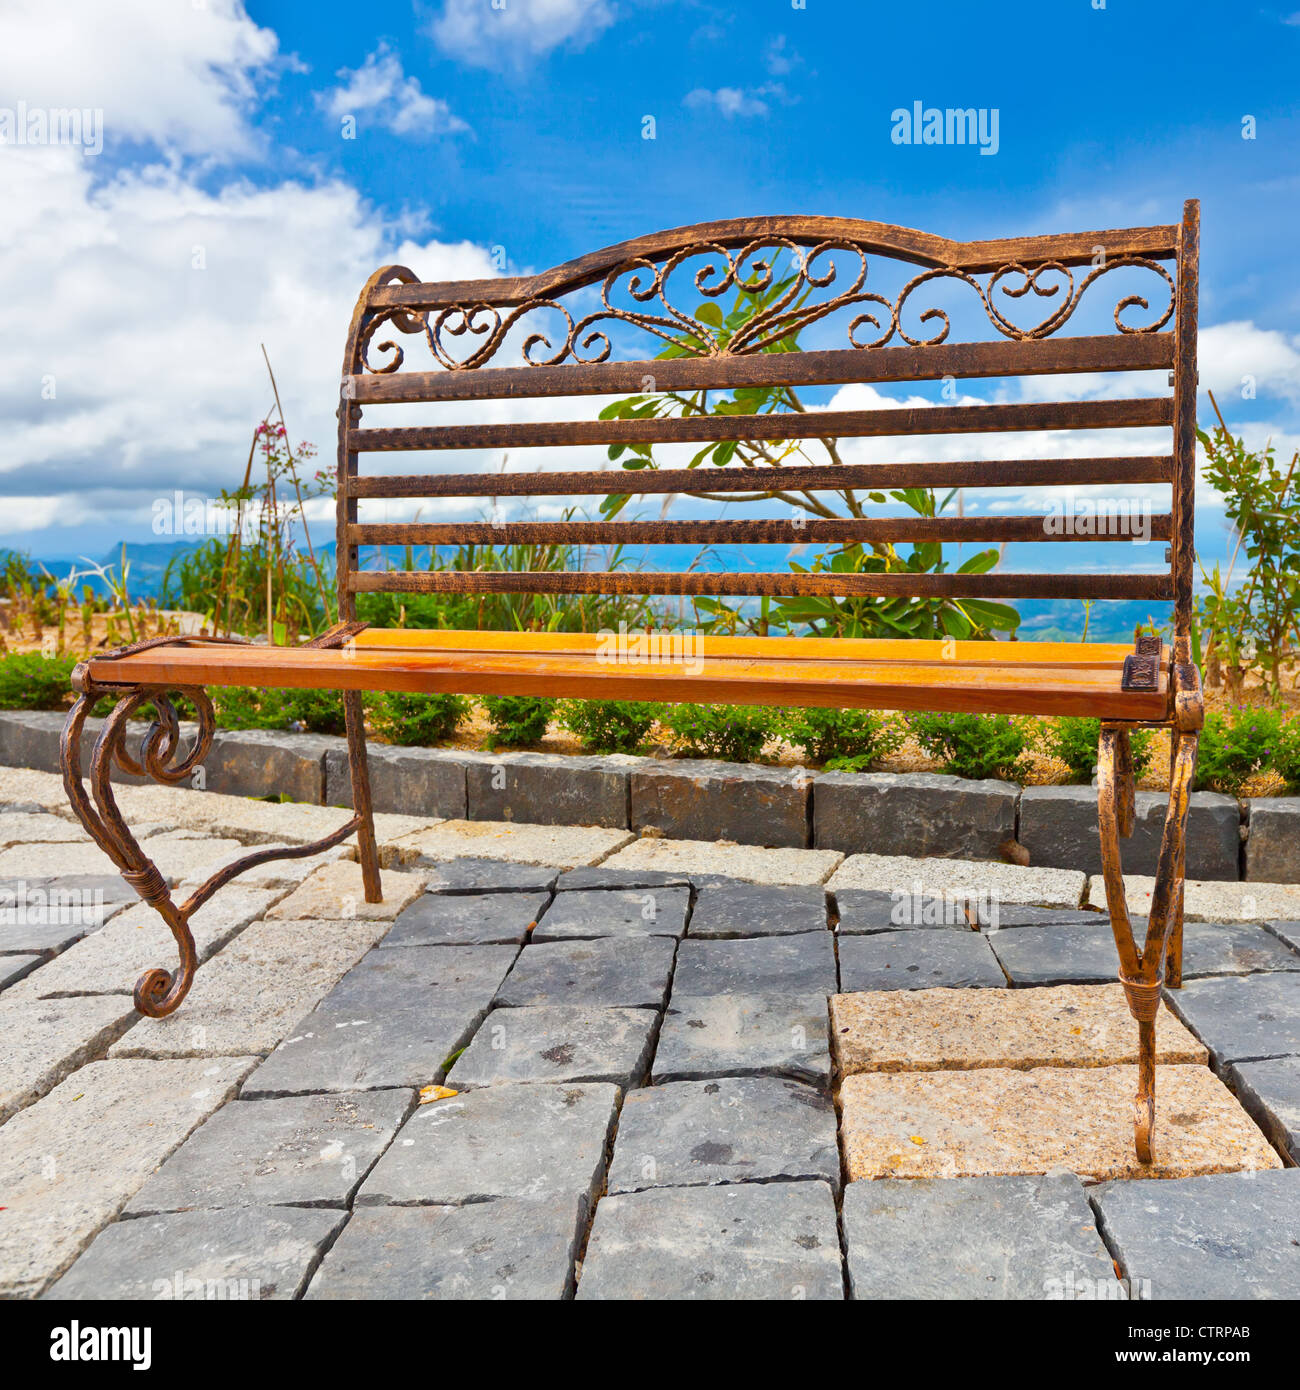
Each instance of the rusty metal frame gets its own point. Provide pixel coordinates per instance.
(159, 992)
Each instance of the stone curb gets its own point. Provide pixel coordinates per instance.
(916, 814)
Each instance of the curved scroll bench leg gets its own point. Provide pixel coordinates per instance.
(1141, 972)
(158, 992)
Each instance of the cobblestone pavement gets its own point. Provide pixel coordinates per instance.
(781, 1081)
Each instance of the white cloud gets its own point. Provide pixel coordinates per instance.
(1238, 354)
(736, 101)
(155, 365)
(396, 101)
(170, 73)
(521, 30)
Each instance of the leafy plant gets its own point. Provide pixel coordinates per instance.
(239, 708)
(1257, 622)
(317, 711)
(417, 719)
(609, 726)
(973, 745)
(1074, 738)
(517, 720)
(735, 733)
(777, 296)
(847, 740)
(29, 680)
(1236, 744)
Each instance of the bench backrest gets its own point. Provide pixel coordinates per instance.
(593, 327)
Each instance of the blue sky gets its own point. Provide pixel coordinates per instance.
(227, 209)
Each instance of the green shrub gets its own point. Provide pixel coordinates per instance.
(318, 711)
(848, 740)
(239, 708)
(1245, 741)
(417, 719)
(517, 720)
(1073, 739)
(29, 680)
(1286, 756)
(609, 726)
(735, 733)
(973, 745)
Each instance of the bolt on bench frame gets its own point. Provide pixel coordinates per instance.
(1152, 686)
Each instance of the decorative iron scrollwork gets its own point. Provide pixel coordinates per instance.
(752, 270)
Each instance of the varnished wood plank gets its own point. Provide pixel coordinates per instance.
(1096, 586)
(746, 532)
(830, 367)
(974, 473)
(939, 686)
(813, 424)
(878, 238)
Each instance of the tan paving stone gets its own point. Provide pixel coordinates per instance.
(961, 1029)
(24, 828)
(42, 1040)
(69, 1163)
(558, 846)
(336, 891)
(996, 1121)
(1205, 900)
(110, 960)
(26, 784)
(753, 863)
(963, 878)
(176, 857)
(249, 996)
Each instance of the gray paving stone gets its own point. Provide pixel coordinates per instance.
(597, 876)
(1273, 843)
(547, 789)
(490, 876)
(995, 916)
(48, 915)
(14, 968)
(1270, 1091)
(975, 1238)
(479, 918)
(1227, 1236)
(703, 799)
(241, 1253)
(742, 1241)
(734, 1129)
(624, 912)
(867, 910)
(763, 965)
(918, 960)
(1058, 826)
(912, 813)
(269, 762)
(630, 974)
(422, 975)
(756, 909)
(339, 1048)
(1083, 954)
(305, 1150)
(1241, 1018)
(744, 1035)
(533, 1141)
(410, 781)
(499, 1250)
(558, 1042)
(1288, 932)
(69, 1162)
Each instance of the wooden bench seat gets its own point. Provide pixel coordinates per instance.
(718, 329)
(992, 677)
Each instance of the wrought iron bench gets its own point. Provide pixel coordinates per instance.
(825, 264)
